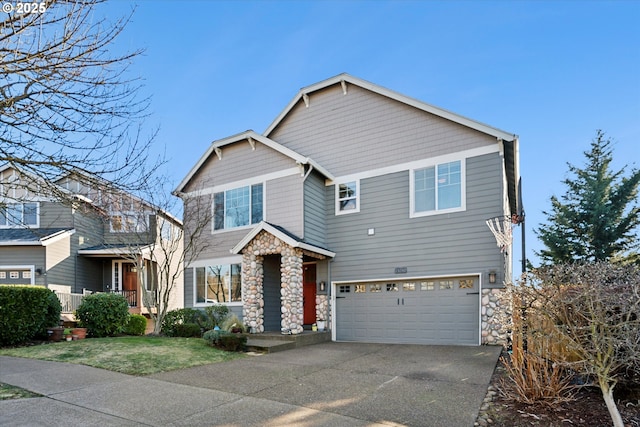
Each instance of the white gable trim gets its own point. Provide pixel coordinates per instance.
(264, 226)
(251, 137)
(343, 79)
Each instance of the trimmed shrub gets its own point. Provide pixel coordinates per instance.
(136, 325)
(178, 317)
(188, 330)
(226, 340)
(26, 312)
(103, 314)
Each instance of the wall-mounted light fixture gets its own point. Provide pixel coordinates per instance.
(39, 271)
(322, 286)
(492, 277)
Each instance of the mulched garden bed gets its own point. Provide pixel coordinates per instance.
(588, 408)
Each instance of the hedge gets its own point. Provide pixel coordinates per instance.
(26, 312)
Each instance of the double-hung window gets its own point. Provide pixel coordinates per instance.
(238, 207)
(19, 215)
(348, 197)
(438, 189)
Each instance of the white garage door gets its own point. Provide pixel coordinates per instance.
(424, 311)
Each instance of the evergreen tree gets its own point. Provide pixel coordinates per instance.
(596, 219)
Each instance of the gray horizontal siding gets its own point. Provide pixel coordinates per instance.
(24, 255)
(284, 203)
(363, 130)
(315, 224)
(454, 243)
(55, 215)
(238, 162)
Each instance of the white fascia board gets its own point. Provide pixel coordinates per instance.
(473, 124)
(57, 236)
(144, 250)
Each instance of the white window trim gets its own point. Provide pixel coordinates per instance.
(224, 189)
(22, 225)
(207, 263)
(463, 189)
(337, 198)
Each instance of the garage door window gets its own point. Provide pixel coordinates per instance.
(427, 286)
(375, 288)
(409, 287)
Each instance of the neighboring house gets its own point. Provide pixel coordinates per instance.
(86, 238)
(360, 206)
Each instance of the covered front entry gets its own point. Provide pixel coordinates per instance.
(262, 273)
(416, 311)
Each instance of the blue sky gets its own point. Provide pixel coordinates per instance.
(551, 72)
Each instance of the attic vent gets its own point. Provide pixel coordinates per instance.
(305, 98)
(344, 87)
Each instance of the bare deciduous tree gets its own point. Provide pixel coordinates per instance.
(164, 247)
(67, 103)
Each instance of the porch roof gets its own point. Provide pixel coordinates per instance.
(32, 236)
(282, 234)
(113, 250)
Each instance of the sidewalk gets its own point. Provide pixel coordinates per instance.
(328, 384)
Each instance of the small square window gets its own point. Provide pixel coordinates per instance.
(3, 274)
(344, 289)
(361, 288)
(348, 197)
(392, 287)
(14, 275)
(26, 275)
(376, 287)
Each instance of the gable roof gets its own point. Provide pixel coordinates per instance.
(282, 234)
(250, 136)
(345, 79)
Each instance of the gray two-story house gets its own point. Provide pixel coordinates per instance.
(79, 235)
(361, 207)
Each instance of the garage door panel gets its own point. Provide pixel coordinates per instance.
(424, 311)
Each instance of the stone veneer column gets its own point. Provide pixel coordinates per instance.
(291, 290)
(496, 315)
(322, 309)
(252, 282)
(291, 307)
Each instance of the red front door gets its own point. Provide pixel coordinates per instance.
(309, 294)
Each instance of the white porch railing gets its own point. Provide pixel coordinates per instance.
(69, 302)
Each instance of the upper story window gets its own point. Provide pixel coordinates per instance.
(437, 189)
(238, 207)
(129, 222)
(348, 197)
(14, 215)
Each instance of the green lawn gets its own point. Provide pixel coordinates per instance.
(129, 355)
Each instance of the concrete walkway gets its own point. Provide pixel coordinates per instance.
(328, 384)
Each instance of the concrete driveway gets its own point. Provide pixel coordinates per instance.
(328, 384)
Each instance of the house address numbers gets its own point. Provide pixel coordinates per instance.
(400, 270)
